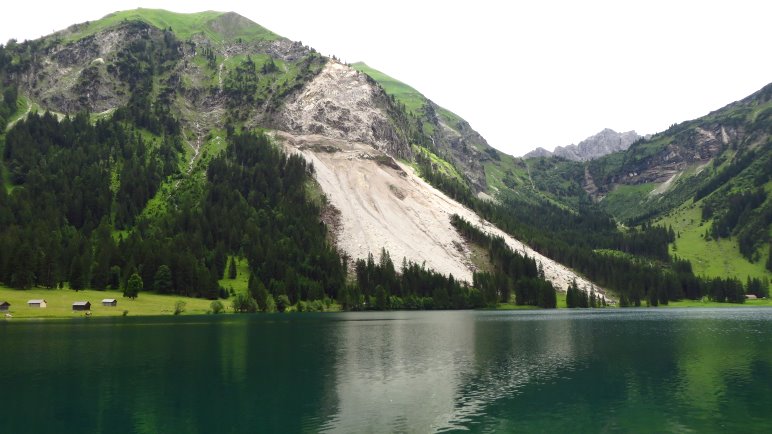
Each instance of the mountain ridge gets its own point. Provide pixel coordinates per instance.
(376, 152)
(605, 142)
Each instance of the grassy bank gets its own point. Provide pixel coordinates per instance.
(60, 303)
(699, 303)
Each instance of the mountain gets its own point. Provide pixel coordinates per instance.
(157, 157)
(707, 178)
(173, 145)
(605, 142)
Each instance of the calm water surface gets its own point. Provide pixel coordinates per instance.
(691, 370)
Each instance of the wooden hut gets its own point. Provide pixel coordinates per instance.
(5, 306)
(37, 303)
(81, 305)
(109, 302)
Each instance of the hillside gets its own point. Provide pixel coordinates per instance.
(162, 116)
(175, 142)
(706, 178)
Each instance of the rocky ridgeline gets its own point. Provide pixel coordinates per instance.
(605, 142)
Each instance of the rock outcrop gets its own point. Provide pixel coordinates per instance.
(605, 142)
(342, 103)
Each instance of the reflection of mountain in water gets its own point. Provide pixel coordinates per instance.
(423, 372)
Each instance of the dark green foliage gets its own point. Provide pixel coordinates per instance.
(726, 290)
(747, 215)
(512, 271)
(379, 285)
(137, 65)
(737, 166)
(451, 186)
(769, 258)
(162, 282)
(282, 303)
(62, 171)
(232, 268)
(244, 303)
(757, 287)
(133, 286)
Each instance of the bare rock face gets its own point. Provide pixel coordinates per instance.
(537, 153)
(80, 75)
(605, 142)
(342, 103)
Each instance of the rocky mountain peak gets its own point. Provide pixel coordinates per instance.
(603, 143)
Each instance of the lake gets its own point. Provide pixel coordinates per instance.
(612, 370)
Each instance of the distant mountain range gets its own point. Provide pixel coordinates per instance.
(603, 143)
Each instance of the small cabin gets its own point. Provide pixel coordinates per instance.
(750, 296)
(5, 306)
(37, 303)
(81, 305)
(109, 302)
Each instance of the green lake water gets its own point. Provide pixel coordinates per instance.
(613, 370)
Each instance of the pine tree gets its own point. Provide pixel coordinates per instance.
(162, 281)
(232, 268)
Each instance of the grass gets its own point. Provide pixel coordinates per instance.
(714, 258)
(481, 258)
(241, 283)
(766, 302)
(625, 200)
(218, 27)
(444, 166)
(411, 98)
(561, 297)
(60, 303)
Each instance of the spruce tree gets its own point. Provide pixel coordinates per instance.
(232, 268)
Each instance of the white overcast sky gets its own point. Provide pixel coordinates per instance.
(524, 74)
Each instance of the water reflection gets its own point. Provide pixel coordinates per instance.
(590, 371)
(422, 372)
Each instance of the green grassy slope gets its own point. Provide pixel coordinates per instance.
(411, 98)
(60, 303)
(712, 258)
(217, 26)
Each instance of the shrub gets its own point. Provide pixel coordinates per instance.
(216, 307)
(179, 307)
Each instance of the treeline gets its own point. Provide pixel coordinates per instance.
(729, 172)
(451, 186)
(62, 173)
(745, 214)
(378, 286)
(9, 96)
(576, 297)
(137, 65)
(512, 271)
(578, 240)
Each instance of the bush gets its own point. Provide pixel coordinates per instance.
(270, 304)
(244, 303)
(179, 307)
(282, 303)
(216, 307)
